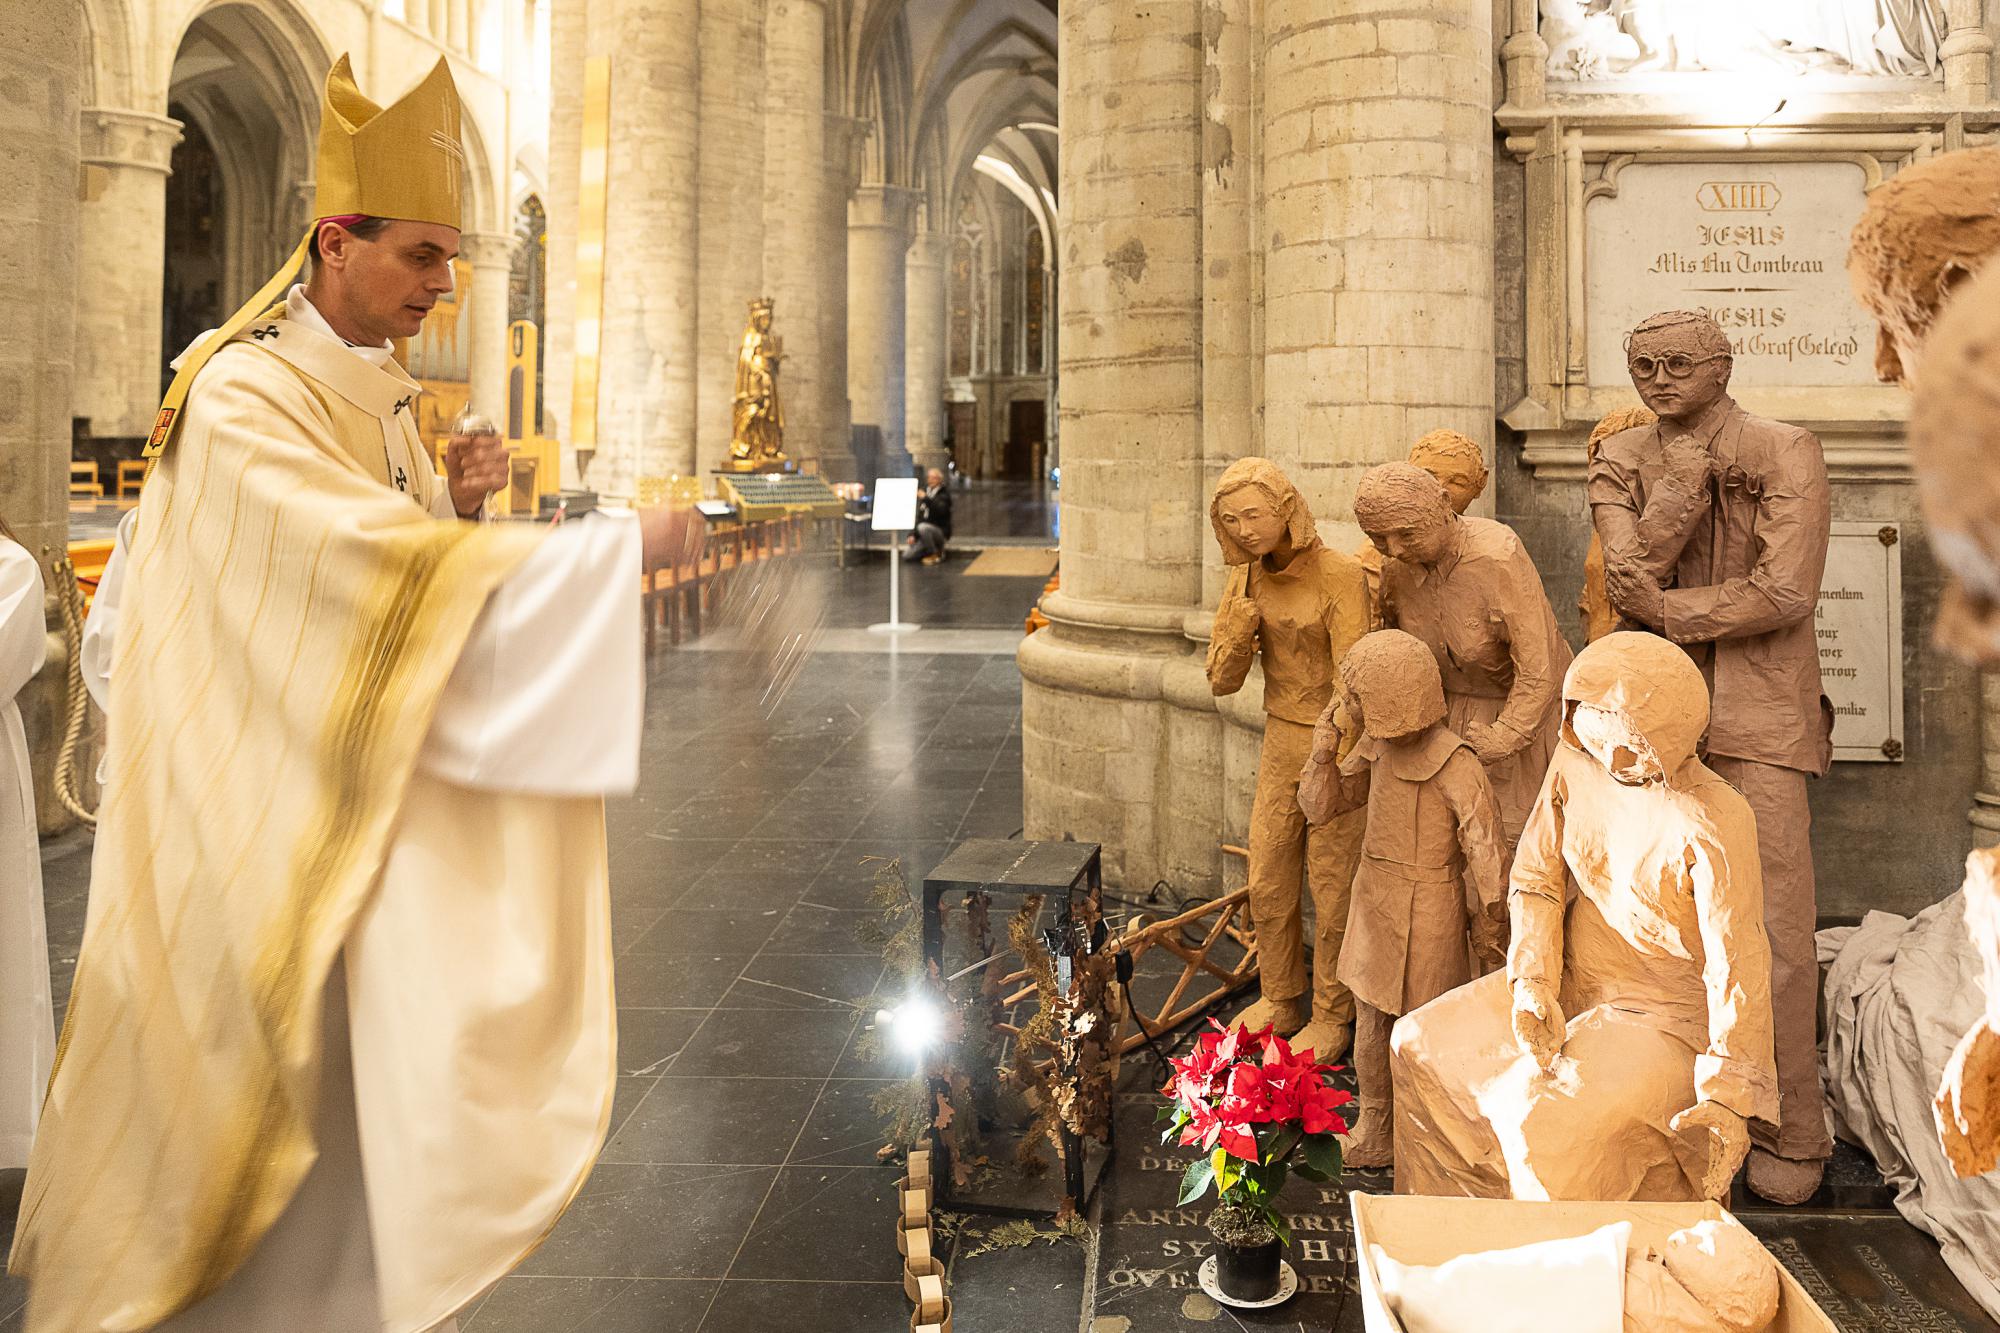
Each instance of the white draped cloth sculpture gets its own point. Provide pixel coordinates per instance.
(1657, 955)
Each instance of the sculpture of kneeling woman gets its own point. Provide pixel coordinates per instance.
(1659, 959)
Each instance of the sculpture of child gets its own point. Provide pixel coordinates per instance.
(1432, 869)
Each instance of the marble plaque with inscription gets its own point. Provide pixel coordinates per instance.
(1860, 628)
(1760, 247)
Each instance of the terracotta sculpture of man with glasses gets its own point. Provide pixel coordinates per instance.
(1714, 524)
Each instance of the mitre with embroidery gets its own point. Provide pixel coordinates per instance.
(403, 161)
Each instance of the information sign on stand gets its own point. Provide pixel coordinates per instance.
(895, 513)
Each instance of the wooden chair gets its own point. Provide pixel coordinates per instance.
(131, 476)
(671, 595)
(83, 482)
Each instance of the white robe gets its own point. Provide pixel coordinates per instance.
(27, 1019)
(546, 699)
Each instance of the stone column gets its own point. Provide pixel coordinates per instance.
(1130, 321)
(122, 242)
(878, 246)
(924, 350)
(41, 64)
(732, 212)
(794, 211)
(567, 26)
(1378, 199)
(845, 138)
(646, 397)
(483, 319)
(1967, 53)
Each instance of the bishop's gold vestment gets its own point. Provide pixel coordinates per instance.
(290, 621)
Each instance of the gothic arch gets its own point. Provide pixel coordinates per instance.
(110, 74)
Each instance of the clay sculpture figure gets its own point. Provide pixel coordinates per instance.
(1715, 526)
(1900, 991)
(1967, 1106)
(1469, 590)
(1953, 435)
(1431, 888)
(1628, 1041)
(1593, 604)
(1924, 232)
(1712, 1277)
(1459, 466)
(1302, 606)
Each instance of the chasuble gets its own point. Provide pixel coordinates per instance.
(340, 1048)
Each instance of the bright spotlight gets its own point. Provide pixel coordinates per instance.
(915, 1023)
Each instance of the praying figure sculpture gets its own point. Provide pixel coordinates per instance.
(1469, 590)
(758, 426)
(1627, 1045)
(1430, 892)
(1301, 606)
(1715, 526)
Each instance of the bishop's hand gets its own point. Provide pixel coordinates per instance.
(671, 536)
(475, 466)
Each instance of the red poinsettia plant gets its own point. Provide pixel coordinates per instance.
(1261, 1112)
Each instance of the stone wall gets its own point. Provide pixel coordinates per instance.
(1277, 241)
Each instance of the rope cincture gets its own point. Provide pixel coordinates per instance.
(76, 700)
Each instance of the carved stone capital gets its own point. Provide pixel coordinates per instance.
(115, 138)
(884, 207)
(846, 146)
(487, 249)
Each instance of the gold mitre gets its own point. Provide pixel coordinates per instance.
(761, 306)
(402, 161)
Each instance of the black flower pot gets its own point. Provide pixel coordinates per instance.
(1248, 1272)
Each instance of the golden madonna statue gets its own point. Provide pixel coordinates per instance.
(758, 431)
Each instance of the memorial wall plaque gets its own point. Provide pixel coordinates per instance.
(1860, 629)
(1759, 247)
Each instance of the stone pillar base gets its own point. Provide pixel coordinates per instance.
(1129, 748)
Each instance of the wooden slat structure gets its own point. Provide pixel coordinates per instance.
(1220, 919)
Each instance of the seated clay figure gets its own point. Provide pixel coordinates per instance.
(1637, 909)
(1432, 850)
(1301, 606)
